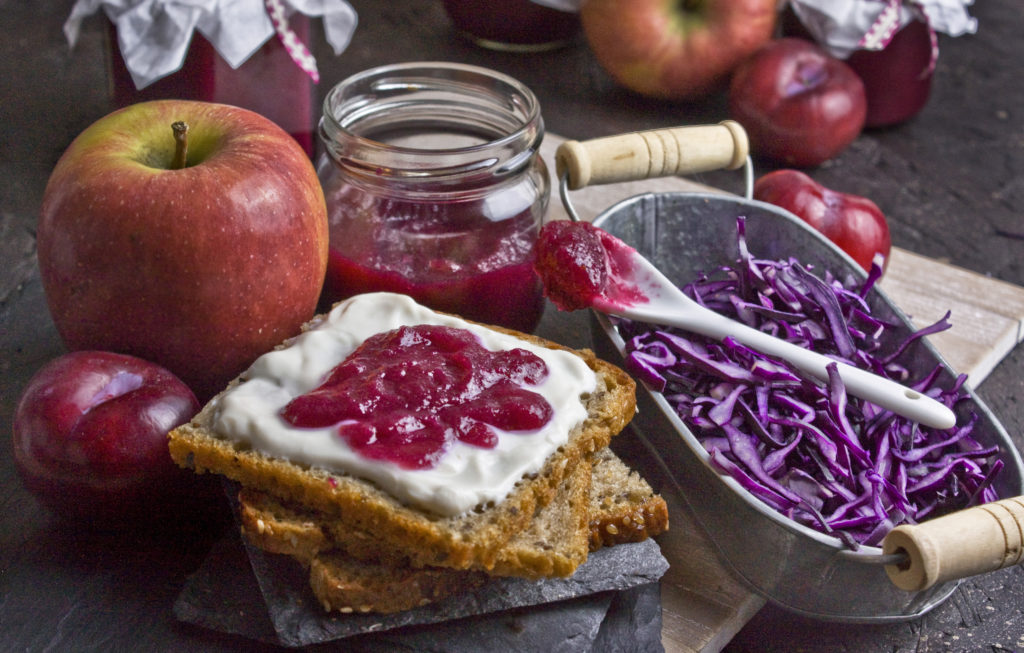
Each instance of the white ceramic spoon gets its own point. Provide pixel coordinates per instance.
(666, 304)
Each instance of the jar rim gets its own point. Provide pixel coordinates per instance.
(397, 91)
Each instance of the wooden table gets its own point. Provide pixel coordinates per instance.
(951, 182)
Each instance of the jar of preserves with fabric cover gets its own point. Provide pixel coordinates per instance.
(435, 189)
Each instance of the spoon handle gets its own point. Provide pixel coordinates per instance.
(653, 153)
(879, 390)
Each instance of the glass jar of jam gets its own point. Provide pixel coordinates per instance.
(897, 79)
(435, 189)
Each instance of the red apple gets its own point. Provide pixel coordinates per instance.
(799, 105)
(852, 222)
(675, 50)
(198, 267)
(90, 436)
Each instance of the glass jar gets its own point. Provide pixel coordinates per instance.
(206, 76)
(897, 79)
(435, 189)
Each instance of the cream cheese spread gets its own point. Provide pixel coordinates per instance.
(465, 477)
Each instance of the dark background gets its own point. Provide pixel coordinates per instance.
(951, 182)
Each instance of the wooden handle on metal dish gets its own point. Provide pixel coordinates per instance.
(654, 153)
(962, 544)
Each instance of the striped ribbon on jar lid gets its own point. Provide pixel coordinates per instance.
(296, 49)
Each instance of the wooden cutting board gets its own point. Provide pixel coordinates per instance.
(703, 605)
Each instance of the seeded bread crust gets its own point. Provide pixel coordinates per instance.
(622, 507)
(555, 544)
(472, 540)
(346, 585)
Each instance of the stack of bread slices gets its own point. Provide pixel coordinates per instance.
(366, 551)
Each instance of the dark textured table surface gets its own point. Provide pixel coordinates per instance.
(951, 182)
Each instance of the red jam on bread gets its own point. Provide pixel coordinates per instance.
(406, 394)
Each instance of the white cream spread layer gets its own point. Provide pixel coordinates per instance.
(465, 477)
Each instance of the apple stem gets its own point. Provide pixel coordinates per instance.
(180, 145)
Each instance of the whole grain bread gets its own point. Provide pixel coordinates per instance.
(622, 507)
(471, 540)
(347, 585)
(554, 544)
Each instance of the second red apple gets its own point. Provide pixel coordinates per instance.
(675, 50)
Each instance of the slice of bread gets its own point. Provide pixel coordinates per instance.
(621, 507)
(471, 540)
(346, 585)
(555, 544)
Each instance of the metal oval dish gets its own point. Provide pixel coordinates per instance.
(799, 569)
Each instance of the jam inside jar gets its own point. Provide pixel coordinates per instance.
(435, 189)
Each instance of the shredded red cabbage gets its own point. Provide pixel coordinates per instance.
(830, 461)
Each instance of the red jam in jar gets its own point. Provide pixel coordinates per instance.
(435, 189)
(405, 395)
(269, 82)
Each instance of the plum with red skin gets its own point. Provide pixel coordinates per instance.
(90, 437)
(854, 223)
(799, 105)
